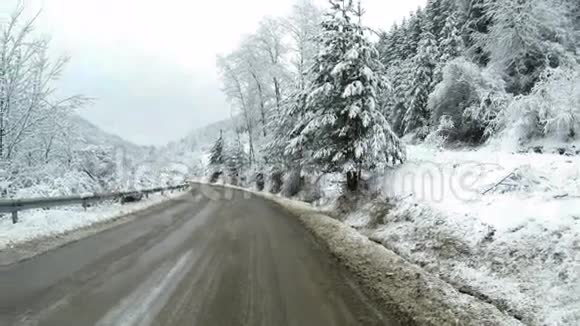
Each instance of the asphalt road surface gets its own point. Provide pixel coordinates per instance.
(191, 261)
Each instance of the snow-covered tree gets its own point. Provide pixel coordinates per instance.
(35, 131)
(270, 44)
(552, 109)
(575, 14)
(450, 42)
(450, 46)
(286, 126)
(27, 92)
(436, 13)
(397, 100)
(235, 160)
(303, 25)
(217, 154)
(403, 49)
(250, 64)
(240, 89)
(417, 115)
(343, 129)
(413, 34)
(525, 37)
(475, 23)
(471, 97)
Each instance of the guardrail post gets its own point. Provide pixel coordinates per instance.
(14, 217)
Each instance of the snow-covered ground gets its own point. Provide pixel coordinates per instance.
(502, 226)
(35, 224)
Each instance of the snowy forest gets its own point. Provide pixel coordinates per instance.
(317, 92)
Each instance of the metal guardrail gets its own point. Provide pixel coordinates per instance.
(14, 206)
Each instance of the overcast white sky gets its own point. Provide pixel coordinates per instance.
(151, 63)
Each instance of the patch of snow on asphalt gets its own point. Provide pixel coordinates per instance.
(34, 224)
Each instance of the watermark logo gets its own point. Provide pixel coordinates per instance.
(114, 169)
(433, 182)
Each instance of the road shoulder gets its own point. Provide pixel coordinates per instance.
(22, 251)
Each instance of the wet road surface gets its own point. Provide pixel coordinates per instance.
(191, 261)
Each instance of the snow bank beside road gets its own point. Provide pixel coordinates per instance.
(35, 224)
(502, 227)
(418, 298)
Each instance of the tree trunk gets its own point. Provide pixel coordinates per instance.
(2, 127)
(262, 105)
(352, 181)
(278, 94)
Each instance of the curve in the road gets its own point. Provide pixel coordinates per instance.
(193, 261)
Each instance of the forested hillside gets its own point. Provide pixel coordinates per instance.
(475, 69)
(46, 149)
(314, 92)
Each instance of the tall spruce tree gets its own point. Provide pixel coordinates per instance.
(477, 22)
(403, 48)
(575, 14)
(388, 46)
(450, 42)
(436, 12)
(343, 129)
(398, 74)
(417, 115)
(413, 33)
(235, 160)
(450, 46)
(216, 155)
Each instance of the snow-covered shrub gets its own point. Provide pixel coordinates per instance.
(47, 181)
(276, 182)
(471, 98)
(260, 183)
(439, 137)
(551, 110)
(292, 183)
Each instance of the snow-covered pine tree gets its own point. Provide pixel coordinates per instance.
(413, 33)
(436, 12)
(343, 129)
(397, 101)
(576, 21)
(450, 43)
(403, 49)
(450, 46)
(417, 115)
(216, 155)
(287, 127)
(235, 161)
(388, 46)
(303, 27)
(476, 24)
